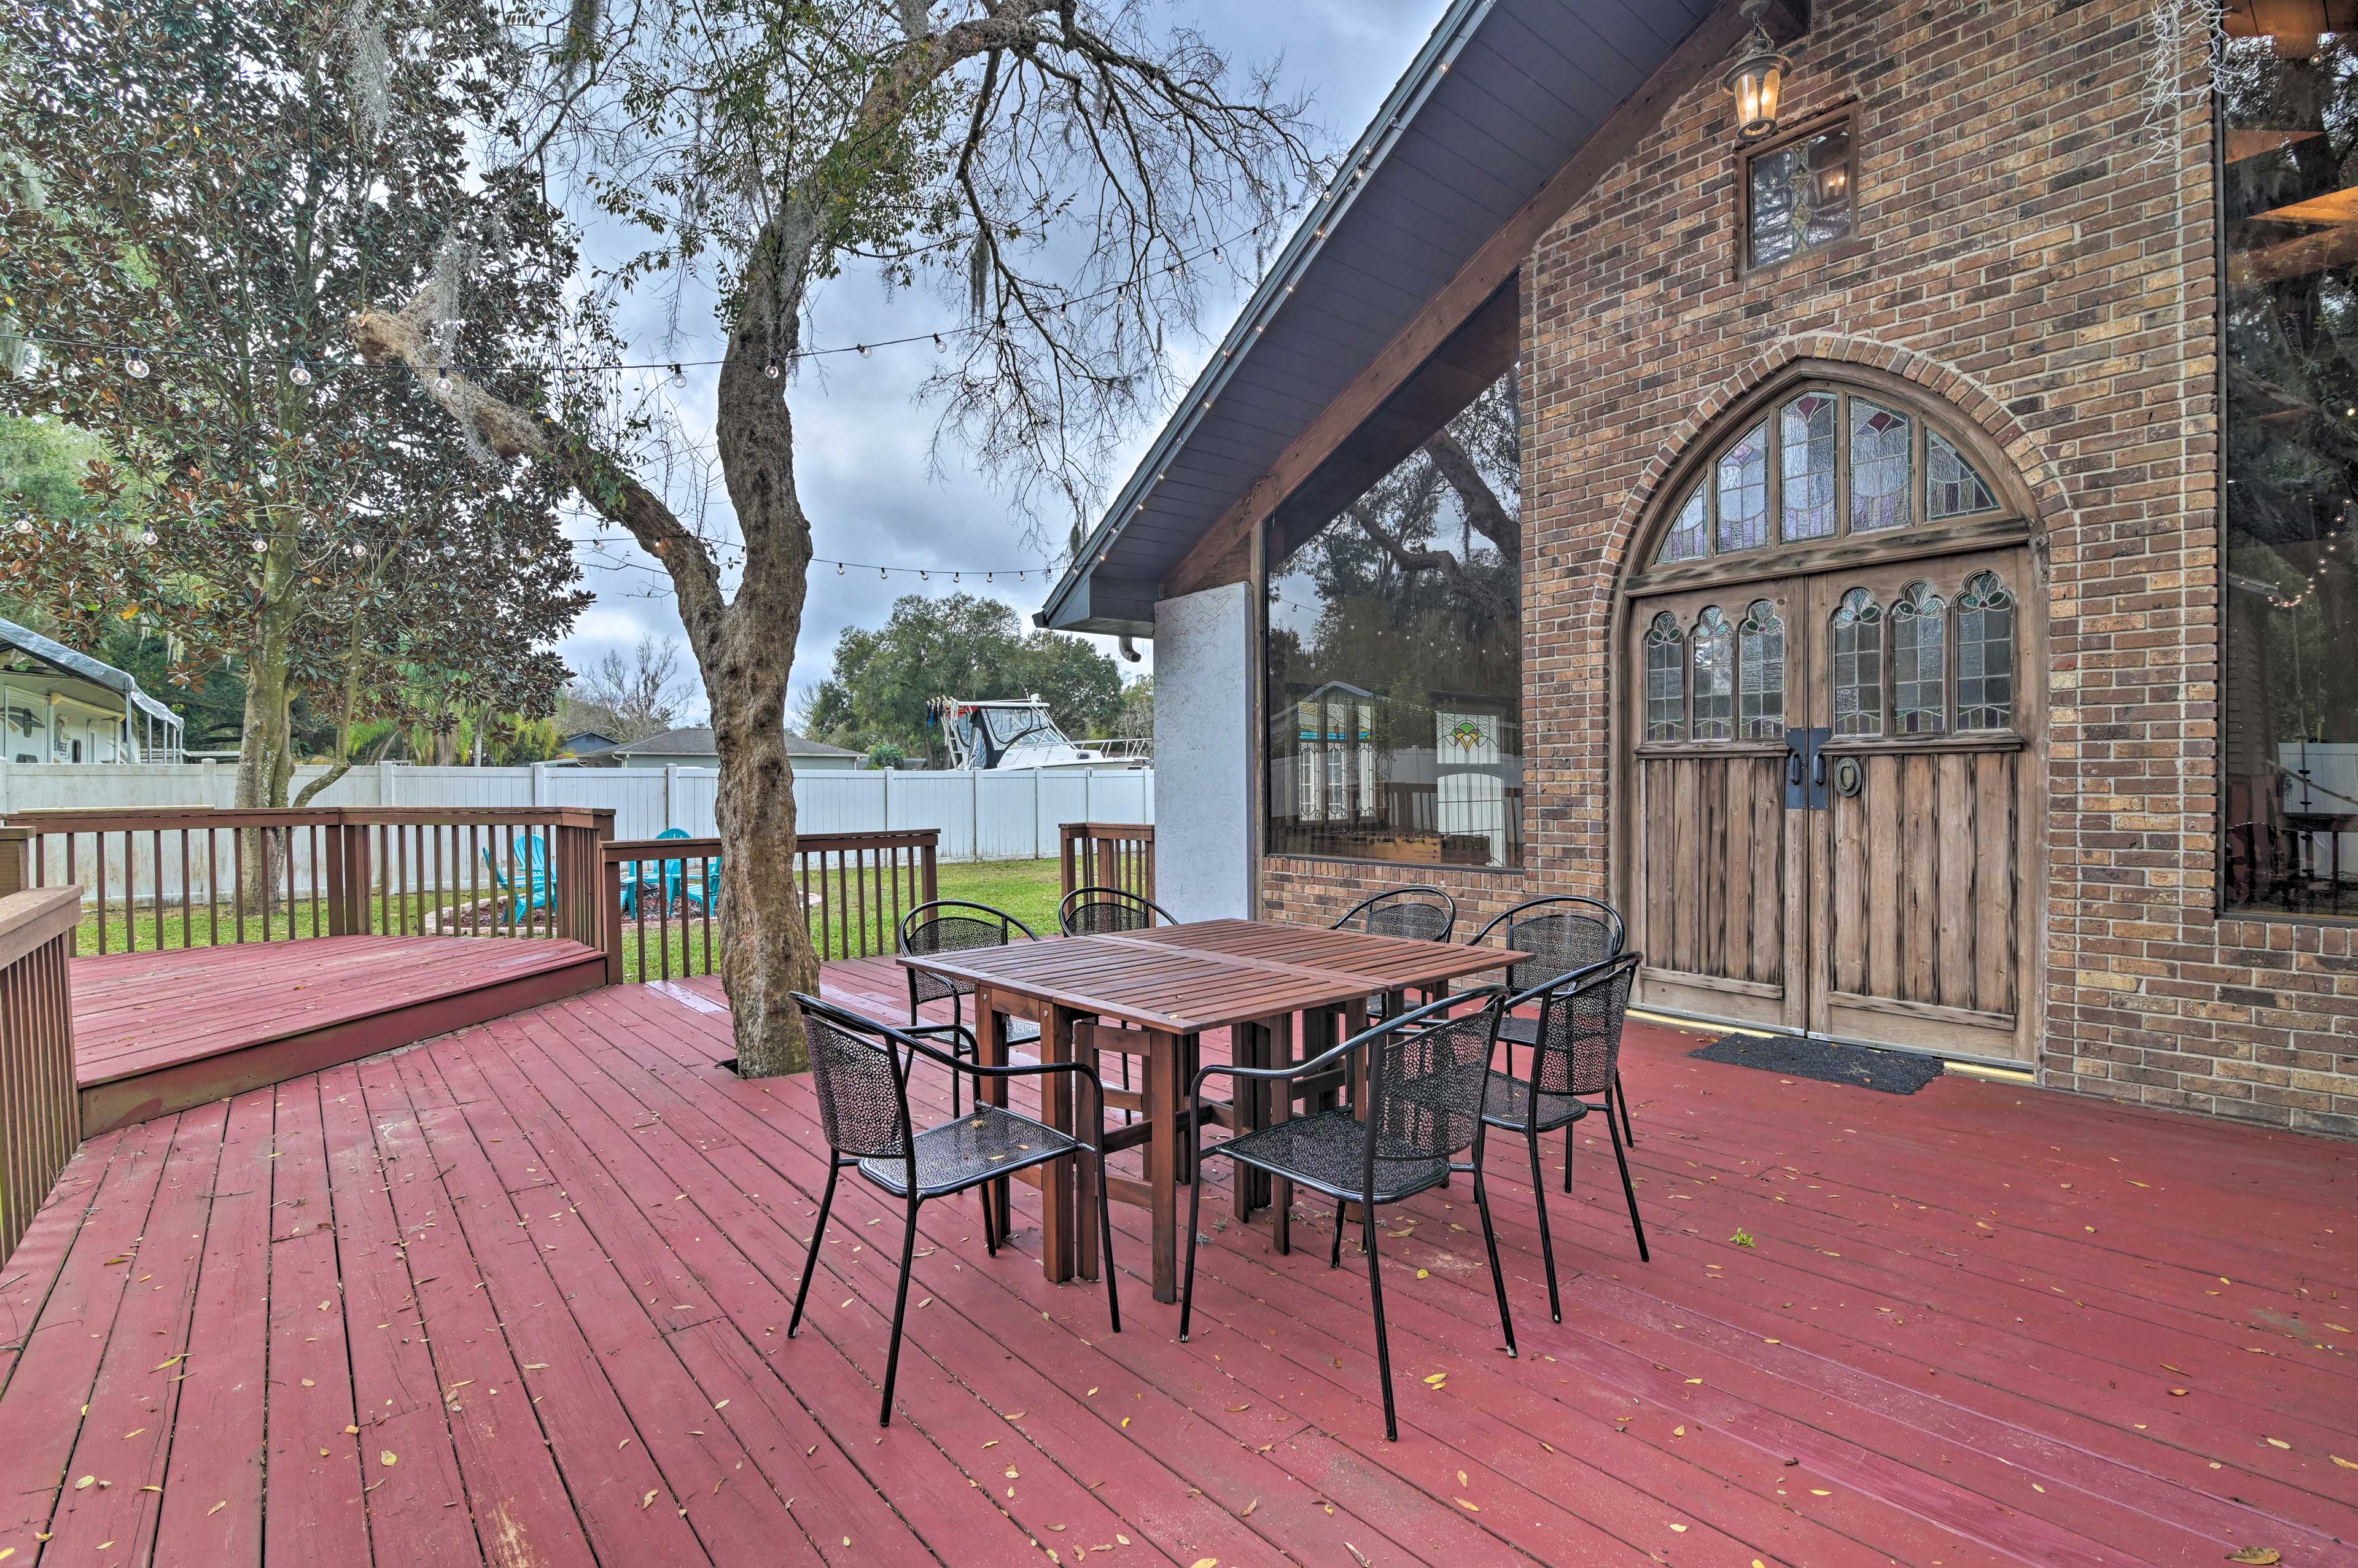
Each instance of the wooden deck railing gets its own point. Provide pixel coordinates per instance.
(197, 877)
(662, 898)
(1108, 855)
(40, 1114)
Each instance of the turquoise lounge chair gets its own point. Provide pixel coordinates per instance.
(533, 881)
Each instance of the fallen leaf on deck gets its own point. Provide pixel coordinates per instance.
(2345, 1464)
(1742, 1237)
(2278, 1443)
(387, 1458)
(1469, 1508)
(217, 1507)
(2260, 1555)
(1245, 1512)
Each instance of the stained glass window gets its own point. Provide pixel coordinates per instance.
(1798, 196)
(1761, 674)
(1858, 665)
(1715, 676)
(1919, 662)
(1951, 488)
(1686, 538)
(1984, 655)
(1880, 443)
(1806, 437)
(1666, 679)
(1743, 483)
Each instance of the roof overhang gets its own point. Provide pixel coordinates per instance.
(82, 667)
(1511, 111)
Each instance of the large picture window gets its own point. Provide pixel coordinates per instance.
(2288, 145)
(1394, 629)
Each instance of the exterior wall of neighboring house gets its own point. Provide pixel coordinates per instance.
(2036, 257)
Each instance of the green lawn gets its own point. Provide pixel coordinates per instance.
(1027, 890)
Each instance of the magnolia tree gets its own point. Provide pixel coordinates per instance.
(1067, 174)
(194, 197)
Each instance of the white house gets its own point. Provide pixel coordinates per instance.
(60, 706)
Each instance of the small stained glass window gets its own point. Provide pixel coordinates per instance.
(1798, 197)
(1951, 488)
(1880, 445)
(1744, 492)
(1985, 654)
(1806, 437)
(1858, 665)
(1919, 662)
(1761, 674)
(1687, 535)
(1715, 676)
(1666, 679)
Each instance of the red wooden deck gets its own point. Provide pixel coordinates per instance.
(160, 1032)
(519, 1296)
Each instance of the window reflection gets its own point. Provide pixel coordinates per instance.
(1395, 654)
(2290, 147)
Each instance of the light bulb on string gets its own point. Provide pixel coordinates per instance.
(937, 342)
(24, 524)
(773, 369)
(863, 349)
(880, 574)
(136, 365)
(260, 545)
(442, 382)
(299, 372)
(148, 535)
(678, 376)
(839, 568)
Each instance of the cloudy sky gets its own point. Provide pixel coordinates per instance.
(863, 444)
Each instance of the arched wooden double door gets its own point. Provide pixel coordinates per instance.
(1832, 725)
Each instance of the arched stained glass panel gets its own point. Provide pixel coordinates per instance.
(1761, 674)
(1919, 662)
(1805, 438)
(1858, 665)
(1666, 679)
(1881, 444)
(1985, 654)
(1687, 539)
(1951, 488)
(1743, 483)
(1715, 676)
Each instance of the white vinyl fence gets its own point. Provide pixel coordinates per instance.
(1008, 815)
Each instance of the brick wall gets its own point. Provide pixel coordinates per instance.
(2034, 249)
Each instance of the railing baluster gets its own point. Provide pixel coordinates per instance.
(288, 834)
(213, 893)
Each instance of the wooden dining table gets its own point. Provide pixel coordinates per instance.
(1152, 995)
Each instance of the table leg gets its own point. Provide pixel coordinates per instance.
(1163, 1095)
(1279, 1053)
(1248, 1048)
(1057, 1109)
(990, 1048)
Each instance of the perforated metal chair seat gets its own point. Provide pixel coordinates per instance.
(1508, 1104)
(983, 1143)
(1328, 1152)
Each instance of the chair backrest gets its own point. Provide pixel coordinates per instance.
(532, 856)
(861, 1069)
(1427, 1073)
(1568, 933)
(1098, 911)
(952, 925)
(1579, 1035)
(1427, 914)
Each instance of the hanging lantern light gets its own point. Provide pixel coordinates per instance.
(1756, 79)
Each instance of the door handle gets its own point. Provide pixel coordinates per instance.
(1817, 773)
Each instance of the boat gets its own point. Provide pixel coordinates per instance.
(996, 734)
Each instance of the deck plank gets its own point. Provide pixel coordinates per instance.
(1953, 1338)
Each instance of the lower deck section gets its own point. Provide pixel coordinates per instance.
(161, 1031)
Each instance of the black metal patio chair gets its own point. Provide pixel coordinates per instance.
(1575, 1052)
(1426, 1075)
(1424, 913)
(1427, 914)
(1568, 933)
(1108, 911)
(860, 1068)
(951, 926)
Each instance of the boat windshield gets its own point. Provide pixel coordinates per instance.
(1021, 726)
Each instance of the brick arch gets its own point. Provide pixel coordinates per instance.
(1971, 405)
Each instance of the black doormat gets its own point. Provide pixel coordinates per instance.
(1861, 1067)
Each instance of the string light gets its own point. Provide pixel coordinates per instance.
(136, 363)
(443, 381)
(773, 369)
(300, 373)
